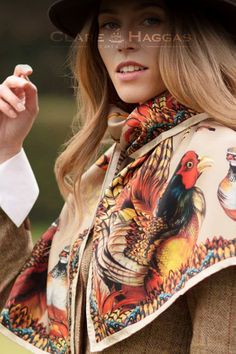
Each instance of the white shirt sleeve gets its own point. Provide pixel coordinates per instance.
(18, 187)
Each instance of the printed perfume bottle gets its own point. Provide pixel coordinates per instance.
(227, 188)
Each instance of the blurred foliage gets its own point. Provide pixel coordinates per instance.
(28, 37)
(50, 131)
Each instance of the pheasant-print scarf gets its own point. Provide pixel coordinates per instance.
(152, 200)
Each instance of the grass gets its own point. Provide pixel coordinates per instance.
(37, 229)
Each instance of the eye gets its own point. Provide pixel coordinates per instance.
(109, 25)
(152, 21)
(189, 164)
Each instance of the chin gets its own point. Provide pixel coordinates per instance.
(138, 98)
(131, 99)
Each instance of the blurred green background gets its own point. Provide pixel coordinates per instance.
(27, 37)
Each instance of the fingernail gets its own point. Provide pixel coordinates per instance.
(20, 107)
(26, 67)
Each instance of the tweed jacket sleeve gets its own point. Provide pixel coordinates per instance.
(15, 247)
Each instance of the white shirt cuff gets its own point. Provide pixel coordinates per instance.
(18, 187)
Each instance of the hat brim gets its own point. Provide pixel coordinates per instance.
(225, 13)
(70, 16)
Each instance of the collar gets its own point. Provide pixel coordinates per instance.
(147, 121)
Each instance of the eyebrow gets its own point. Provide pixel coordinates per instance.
(138, 7)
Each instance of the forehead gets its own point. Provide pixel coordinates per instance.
(112, 6)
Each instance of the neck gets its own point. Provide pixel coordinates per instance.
(163, 93)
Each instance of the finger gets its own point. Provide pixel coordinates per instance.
(30, 90)
(9, 97)
(18, 85)
(20, 93)
(15, 82)
(31, 97)
(6, 109)
(22, 69)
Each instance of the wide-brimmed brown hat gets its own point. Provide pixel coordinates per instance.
(69, 16)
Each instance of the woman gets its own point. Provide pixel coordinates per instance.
(142, 256)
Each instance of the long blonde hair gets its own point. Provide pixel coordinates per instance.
(200, 73)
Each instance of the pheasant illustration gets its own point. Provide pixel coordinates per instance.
(135, 203)
(227, 188)
(57, 294)
(146, 239)
(179, 217)
(28, 289)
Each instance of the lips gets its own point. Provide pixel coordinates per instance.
(130, 76)
(129, 63)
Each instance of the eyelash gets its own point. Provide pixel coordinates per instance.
(153, 18)
(147, 18)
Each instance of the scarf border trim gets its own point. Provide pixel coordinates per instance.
(197, 118)
(128, 331)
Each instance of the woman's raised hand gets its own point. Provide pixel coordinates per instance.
(18, 110)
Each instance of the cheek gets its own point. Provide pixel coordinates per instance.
(154, 74)
(101, 51)
(106, 55)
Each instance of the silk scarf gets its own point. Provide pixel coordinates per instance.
(152, 201)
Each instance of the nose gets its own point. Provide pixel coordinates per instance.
(127, 40)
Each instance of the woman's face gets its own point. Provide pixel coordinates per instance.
(130, 32)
